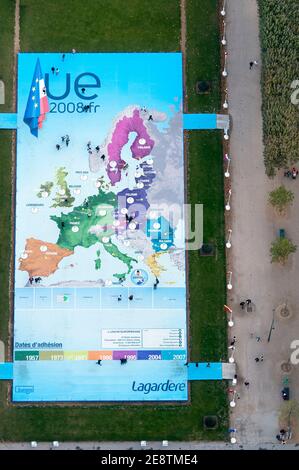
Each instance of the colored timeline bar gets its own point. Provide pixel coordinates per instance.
(143, 355)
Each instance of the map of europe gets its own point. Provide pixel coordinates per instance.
(125, 219)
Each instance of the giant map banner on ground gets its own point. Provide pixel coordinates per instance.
(100, 293)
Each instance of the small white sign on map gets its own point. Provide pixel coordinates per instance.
(62, 298)
(164, 338)
(119, 338)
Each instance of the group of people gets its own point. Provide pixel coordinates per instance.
(119, 298)
(65, 139)
(97, 149)
(208, 364)
(35, 280)
(245, 302)
(123, 361)
(293, 173)
(144, 110)
(259, 358)
(253, 63)
(55, 70)
(131, 297)
(282, 436)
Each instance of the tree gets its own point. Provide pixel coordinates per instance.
(280, 250)
(280, 198)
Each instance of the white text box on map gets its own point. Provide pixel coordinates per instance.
(120, 338)
(163, 338)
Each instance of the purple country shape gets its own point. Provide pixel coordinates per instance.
(141, 147)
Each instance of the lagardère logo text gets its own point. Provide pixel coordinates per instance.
(148, 387)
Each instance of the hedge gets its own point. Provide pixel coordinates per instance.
(280, 53)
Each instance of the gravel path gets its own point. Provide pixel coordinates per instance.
(254, 226)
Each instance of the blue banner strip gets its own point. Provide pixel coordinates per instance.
(6, 370)
(205, 371)
(199, 121)
(8, 120)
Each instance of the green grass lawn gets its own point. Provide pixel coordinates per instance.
(115, 26)
(119, 422)
(100, 25)
(207, 274)
(205, 185)
(7, 10)
(203, 52)
(5, 232)
(6, 73)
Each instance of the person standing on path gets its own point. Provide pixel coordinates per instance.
(252, 63)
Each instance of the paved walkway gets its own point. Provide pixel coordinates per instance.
(254, 226)
(113, 446)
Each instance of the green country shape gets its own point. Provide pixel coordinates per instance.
(116, 253)
(86, 217)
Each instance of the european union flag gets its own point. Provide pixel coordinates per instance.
(37, 104)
